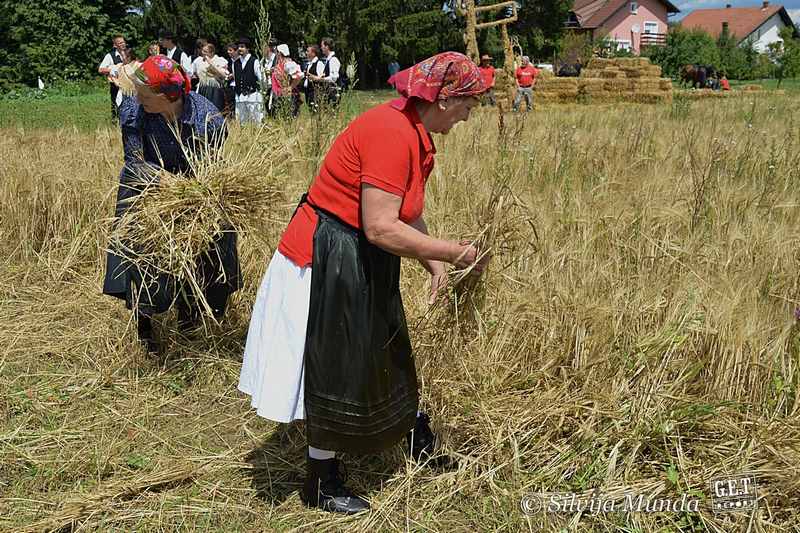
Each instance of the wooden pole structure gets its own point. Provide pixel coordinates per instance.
(470, 37)
(508, 66)
(470, 12)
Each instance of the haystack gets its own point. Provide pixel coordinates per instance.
(560, 90)
(624, 79)
(629, 79)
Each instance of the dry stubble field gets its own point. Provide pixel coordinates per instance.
(636, 332)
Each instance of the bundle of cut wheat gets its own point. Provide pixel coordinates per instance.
(176, 218)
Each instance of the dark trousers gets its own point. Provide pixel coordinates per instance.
(114, 111)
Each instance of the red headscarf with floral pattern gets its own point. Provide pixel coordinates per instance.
(164, 76)
(439, 77)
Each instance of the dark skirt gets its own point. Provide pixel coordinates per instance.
(360, 381)
(149, 292)
(216, 95)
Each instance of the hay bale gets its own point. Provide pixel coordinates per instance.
(599, 63)
(665, 83)
(590, 73)
(646, 84)
(592, 87)
(592, 83)
(621, 85)
(752, 88)
(632, 62)
(649, 71)
(555, 96)
(611, 73)
(556, 84)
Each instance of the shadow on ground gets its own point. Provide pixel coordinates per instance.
(278, 466)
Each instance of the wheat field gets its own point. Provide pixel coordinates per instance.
(637, 331)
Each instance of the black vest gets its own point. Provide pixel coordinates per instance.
(246, 81)
(176, 56)
(116, 56)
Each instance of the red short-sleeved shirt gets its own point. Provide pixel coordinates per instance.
(526, 76)
(487, 74)
(388, 147)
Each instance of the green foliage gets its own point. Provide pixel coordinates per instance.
(785, 55)
(741, 61)
(63, 40)
(67, 39)
(540, 27)
(574, 46)
(684, 47)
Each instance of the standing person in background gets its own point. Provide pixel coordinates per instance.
(268, 62)
(247, 76)
(394, 68)
(230, 84)
(328, 87)
(526, 78)
(197, 58)
(114, 57)
(286, 76)
(153, 49)
(487, 75)
(314, 67)
(168, 48)
(212, 73)
(128, 57)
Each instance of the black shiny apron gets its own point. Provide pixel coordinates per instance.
(360, 385)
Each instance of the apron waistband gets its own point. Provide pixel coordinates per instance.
(305, 200)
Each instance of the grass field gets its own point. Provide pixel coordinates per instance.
(637, 332)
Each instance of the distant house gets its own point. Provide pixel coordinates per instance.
(760, 25)
(632, 24)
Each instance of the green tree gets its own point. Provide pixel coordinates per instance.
(540, 26)
(733, 58)
(684, 47)
(62, 40)
(785, 55)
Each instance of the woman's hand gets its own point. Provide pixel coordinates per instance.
(438, 280)
(466, 255)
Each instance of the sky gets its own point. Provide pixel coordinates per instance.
(792, 6)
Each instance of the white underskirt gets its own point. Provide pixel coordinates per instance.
(272, 371)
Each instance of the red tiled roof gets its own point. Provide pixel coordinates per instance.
(593, 13)
(742, 21)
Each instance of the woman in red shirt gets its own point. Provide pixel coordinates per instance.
(333, 347)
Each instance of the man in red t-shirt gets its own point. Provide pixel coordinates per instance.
(526, 76)
(487, 75)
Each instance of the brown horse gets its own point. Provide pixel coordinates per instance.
(696, 75)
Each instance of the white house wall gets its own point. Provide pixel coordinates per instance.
(767, 33)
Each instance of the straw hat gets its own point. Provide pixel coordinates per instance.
(486, 57)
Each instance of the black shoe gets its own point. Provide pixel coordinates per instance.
(421, 439)
(144, 329)
(421, 442)
(324, 488)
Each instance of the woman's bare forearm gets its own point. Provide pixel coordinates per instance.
(404, 240)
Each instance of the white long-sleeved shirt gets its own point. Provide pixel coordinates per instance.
(108, 60)
(184, 60)
(333, 68)
(316, 68)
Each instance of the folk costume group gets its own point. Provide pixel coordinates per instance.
(327, 341)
